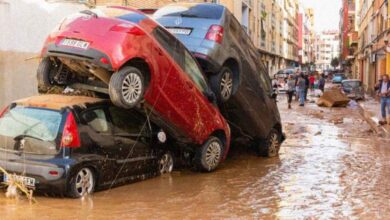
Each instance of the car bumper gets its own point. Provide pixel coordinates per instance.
(43, 180)
(91, 55)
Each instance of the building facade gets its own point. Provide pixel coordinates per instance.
(372, 57)
(327, 47)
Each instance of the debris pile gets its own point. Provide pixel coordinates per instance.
(333, 98)
(14, 186)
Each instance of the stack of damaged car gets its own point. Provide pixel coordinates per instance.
(235, 72)
(75, 144)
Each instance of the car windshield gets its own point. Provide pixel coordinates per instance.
(194, 11)
(352, 84)
(42, 124)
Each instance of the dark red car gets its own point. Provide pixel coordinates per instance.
(126, 54)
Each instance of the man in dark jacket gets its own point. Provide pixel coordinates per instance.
(383, 91)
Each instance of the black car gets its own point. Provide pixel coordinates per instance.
(73, 145)
(237, 76)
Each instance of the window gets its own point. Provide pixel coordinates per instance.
(97, 120)
(192, 69)
(182, 57)
(39, 123)
(127, 121)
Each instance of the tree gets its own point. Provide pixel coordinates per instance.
(335, 62)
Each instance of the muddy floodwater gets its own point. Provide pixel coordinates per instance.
(332, 166)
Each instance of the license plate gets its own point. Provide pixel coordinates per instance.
(27, 181)
(180, 31)
(75, 43)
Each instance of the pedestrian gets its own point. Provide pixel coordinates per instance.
(321, 83)
(312, 80)
(307, 84)
(383, 91)
(290, 88)
(301, 89)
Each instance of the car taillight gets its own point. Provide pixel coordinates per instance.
(128, 28)
(70, 134)
(2, 112)
(215, 33)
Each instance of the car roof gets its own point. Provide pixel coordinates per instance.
(352, 80)
(57, 102)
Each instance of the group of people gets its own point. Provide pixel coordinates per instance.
(299, 84)
(383, 91)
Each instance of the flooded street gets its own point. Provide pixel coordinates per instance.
(331, 166)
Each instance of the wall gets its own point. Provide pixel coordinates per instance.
(24, 25)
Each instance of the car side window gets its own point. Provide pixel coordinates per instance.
(181, 56)
(127, 122)
(194, 72)
(97, 120)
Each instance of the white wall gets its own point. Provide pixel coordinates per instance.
(24, 25)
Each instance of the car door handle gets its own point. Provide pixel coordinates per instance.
(189, 85)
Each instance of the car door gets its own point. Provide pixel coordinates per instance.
(96, 133)
(179, 88)
(133, 136)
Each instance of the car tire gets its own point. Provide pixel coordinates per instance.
(209, 155)
(166, 163)
(44, 74)
(127, 87)
(81, 183)
(222, 84)
(270, 146)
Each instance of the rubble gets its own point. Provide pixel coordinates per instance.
(333, 98)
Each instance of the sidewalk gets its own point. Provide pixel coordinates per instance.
(370, 110)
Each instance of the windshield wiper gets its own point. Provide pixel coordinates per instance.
(21, 136)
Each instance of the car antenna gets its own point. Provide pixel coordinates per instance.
(89, 12)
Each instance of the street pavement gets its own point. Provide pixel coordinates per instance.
(332, 166)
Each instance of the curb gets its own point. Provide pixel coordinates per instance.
(381, 130)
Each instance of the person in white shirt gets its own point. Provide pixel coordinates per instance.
(383, 88)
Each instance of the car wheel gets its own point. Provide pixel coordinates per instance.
(271, 146)
(222, 84)
(209, 155)
(45, 75)
(126, 87)
(82, 183)
(166, 163)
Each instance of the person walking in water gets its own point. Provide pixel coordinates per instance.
(290, 88)
(301, 87)
(383, 90)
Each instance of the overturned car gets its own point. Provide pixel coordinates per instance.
(122, 53)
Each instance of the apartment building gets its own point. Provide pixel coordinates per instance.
(327, 47)
(372, 57)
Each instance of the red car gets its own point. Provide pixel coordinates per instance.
(129, 56)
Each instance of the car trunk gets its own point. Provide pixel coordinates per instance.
(198, 27)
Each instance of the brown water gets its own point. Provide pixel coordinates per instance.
(331, 167)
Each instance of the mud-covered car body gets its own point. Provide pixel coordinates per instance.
(215, 37)
(353, 88)
(48, 139)
(94, 47)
